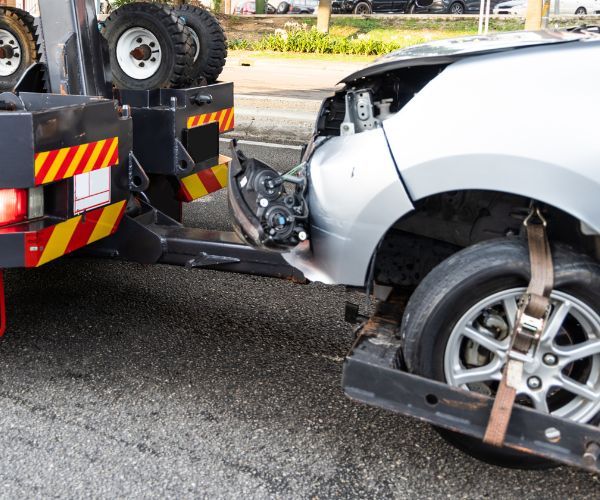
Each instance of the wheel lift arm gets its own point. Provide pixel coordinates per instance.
(372, 374)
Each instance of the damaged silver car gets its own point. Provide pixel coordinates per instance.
(418, 180)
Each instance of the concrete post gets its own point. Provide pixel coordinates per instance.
(533, 21)
(323, 15)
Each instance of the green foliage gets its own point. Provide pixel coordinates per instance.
(366, 36)
(313, 41)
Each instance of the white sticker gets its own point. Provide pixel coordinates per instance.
(92, 190)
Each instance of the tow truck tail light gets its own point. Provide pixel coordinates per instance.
(13, 206)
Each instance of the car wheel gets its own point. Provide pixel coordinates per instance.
(209, 42)
(580, 11)
(362, 8)
(457, 9)
(412, 8)
(18, 46)
(456, 325)
(283, 8)
(149, 47)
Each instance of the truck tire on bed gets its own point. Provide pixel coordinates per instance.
(209, 42)
(149, 47)
(458, 318)
(18, 45)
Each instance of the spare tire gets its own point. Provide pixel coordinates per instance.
(209, 41)
(149, 47)
(18, 46)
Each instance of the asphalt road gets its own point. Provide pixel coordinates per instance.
(120, 380)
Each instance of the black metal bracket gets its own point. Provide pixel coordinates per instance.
(138, 180)
(184, 161)
(371, 376)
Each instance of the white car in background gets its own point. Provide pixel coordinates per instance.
(564, 7)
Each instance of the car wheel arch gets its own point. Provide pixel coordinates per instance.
(419, 240)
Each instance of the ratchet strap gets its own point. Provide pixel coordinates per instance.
(532, 313)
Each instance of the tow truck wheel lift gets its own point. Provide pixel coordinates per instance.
(89, 169)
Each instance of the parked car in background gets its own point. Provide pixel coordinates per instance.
(297, 7)
(512, 7)
(249, 8)
(565, 7)
(456, 7)
(369, 6)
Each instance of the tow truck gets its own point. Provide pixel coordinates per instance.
(105, 136)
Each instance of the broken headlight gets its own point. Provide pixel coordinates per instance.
(269, 208)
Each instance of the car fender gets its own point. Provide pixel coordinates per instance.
(355, 195)
(508, 122)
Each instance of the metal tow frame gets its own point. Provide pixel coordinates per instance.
(371, 375)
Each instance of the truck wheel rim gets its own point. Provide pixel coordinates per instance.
(10, 53)
(196, 43)
(563, 377)
(139, 53)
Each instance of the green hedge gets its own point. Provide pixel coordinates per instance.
(313, 41)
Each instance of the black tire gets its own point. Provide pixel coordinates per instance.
(363, 8)
(581, 11)
(456, 285)
(210, 56)
(174, 40)
(283, 8)
(20, 25)
(457, 9)
(412, 8)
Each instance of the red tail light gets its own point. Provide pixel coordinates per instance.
(13, 206)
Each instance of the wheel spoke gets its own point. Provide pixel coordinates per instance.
(582, 390)
(557, 318)
(568, 354)
(491, 371)
(539, 401)
(510, 308)
(486, 341)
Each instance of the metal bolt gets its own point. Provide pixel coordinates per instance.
(302, 236)
(141, 65)
(552, 434)
(550, 359)
(591, 455)
(263, 202)
(534, 383)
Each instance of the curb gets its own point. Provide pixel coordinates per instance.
(274, 119)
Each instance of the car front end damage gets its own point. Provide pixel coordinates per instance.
(352, 189)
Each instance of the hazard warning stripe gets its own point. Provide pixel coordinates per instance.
(205, 182)
(63, 238)
(63, 163)
(224, 117)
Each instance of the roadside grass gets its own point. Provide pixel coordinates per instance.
(249, 55)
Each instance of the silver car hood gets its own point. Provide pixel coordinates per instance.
(453, 49)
